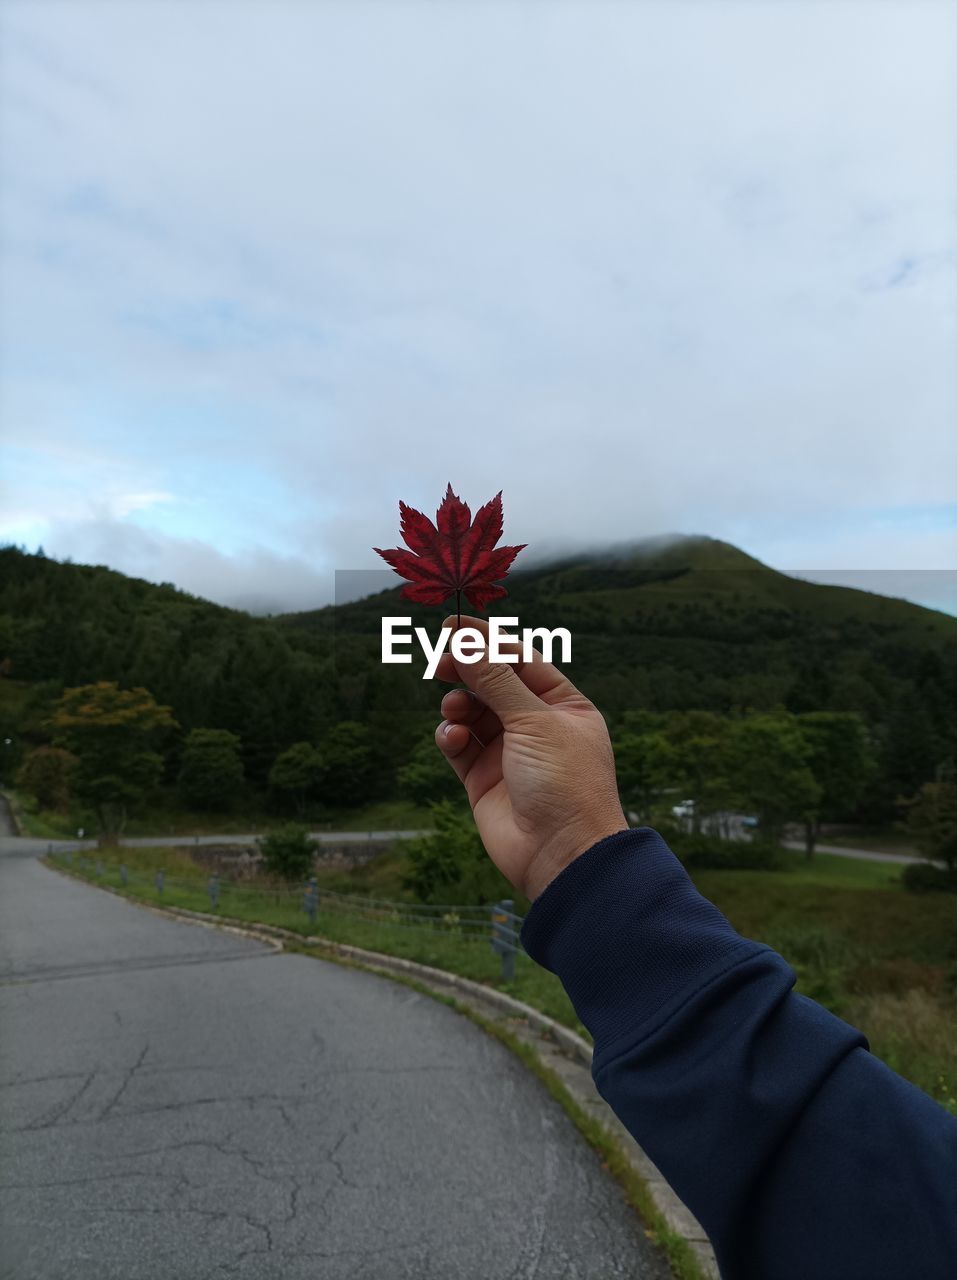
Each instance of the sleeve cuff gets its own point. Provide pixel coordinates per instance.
(628, 934)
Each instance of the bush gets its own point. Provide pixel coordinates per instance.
(925, 877)
(47, 775)
(288, 852)
(699, 852)
(450, 866)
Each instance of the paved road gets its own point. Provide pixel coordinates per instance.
(34, 846)
(185, 1104)
(863, 855)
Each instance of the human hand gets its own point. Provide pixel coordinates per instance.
(536, 761)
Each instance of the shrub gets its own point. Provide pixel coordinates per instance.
(699, 851)
(47, 775)
(450, 866)
(288, 852)
(925, 877)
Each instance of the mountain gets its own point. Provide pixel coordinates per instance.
(666, 624)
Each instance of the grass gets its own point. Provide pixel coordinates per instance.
(878, 956)
(45, 826)
(832, 871)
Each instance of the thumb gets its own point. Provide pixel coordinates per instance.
(497, 684)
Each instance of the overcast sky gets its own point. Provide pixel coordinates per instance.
(683, 267)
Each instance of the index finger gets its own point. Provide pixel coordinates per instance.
(544, 679)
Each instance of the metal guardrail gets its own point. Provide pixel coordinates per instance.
(506, 935)
(497, 923)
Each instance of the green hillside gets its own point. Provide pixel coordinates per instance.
(678, 624)
(696, 623)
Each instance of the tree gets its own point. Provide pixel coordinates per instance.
(211, 768)
(347, 763)
(297, 773)
(932, 818)
(112, 731)
(701, 766)
(841, 762)
(912, 746)
(47, 775)
(426, 777)
(288, 852)
(769, 764)
(645, 764)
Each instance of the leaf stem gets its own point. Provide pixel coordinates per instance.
(458, 608)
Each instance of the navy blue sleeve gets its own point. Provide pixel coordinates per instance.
(802, 1155)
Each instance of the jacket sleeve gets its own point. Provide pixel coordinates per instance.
(802, 1155)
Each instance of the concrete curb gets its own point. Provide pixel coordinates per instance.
(558, 1048)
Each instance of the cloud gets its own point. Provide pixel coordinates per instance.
(290, 263)
(255, 579)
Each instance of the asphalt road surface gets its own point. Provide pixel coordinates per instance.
(36, 846)
(180, 1103)
(862, 855)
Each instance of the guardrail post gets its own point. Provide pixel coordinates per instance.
(214, 891)
(124, 874)
(508, 955)
(69, 857)
(504, 936)
(310, 901)
(99, 867)
(160, 881)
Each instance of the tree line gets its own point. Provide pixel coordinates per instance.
(112, 748)
(107, 753)
(300, 709)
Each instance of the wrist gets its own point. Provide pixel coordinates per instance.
(565, 846)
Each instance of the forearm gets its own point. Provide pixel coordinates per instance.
(799, 1152)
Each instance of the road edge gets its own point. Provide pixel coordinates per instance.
(559, 1057)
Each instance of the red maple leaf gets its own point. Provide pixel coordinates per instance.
(455, 556)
